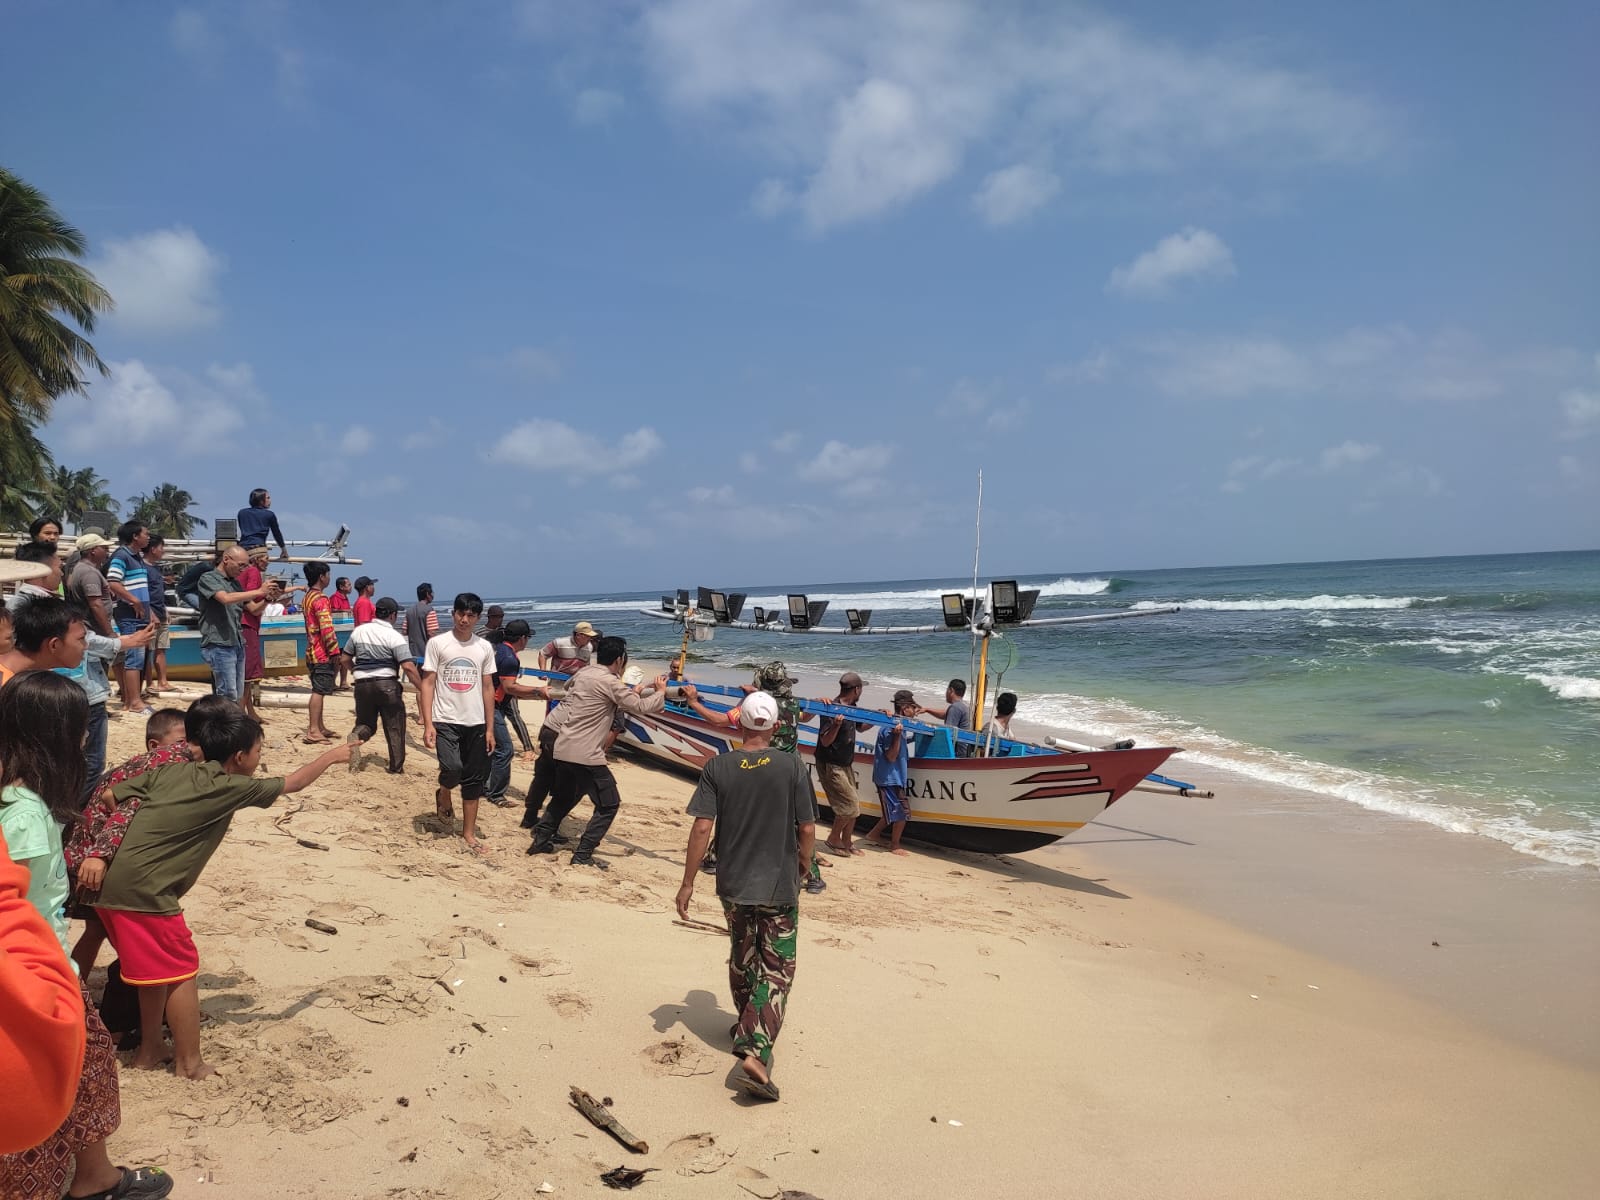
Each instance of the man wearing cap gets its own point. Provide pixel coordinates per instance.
(363, 609)
(378, 654)
(569, 655)
(593, 697)
(836, 766)
(890, 770)
(508, 688)
(761, 804)
(86, 584)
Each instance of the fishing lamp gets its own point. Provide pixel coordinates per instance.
(804, 613)
(762, 615)
(735, 605)
(225, 529)
(704, 598)
(1003, 601)
(99, 521)
(667, 605)
(956, 613)
(683, 597)
(859, 618)
(719, 607)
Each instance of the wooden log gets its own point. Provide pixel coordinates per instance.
(600, 1117)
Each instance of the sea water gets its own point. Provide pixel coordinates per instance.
(1464, 692)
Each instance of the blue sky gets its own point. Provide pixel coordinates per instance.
(546, 297)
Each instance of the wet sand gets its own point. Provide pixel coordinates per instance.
(1045, 1025)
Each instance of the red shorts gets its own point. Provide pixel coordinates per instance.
(154, 948)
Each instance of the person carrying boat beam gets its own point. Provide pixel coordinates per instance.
(836, 766)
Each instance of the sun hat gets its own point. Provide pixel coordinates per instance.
(89, 541)
(586, 629)
(758, 711)
(633, 676)
(904, 694)
(12, 571)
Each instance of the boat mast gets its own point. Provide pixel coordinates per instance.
(978, 657)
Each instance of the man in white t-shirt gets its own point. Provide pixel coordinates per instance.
(376, 655)
(457, 703)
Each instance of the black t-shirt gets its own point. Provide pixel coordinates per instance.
(757, 798)
(841, 752)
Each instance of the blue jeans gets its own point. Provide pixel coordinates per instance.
(500, 763)
(94, 745)
(227, 670)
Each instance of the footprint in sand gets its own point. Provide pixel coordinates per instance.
(295, 940)
(546, 967)
(699, 1154)
(375, 998)
(677, 1057)
(569, 1005)
(838, 943)
(350, 914)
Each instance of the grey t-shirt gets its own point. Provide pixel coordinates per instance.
(85, 583)
(219, 622)
(756, 797)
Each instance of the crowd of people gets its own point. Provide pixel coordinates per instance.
(119, 848)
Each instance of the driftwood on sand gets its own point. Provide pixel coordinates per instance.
(601, 1118)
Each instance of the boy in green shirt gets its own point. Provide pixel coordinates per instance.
(184, 813)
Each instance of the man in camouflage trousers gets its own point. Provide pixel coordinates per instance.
(762, 803)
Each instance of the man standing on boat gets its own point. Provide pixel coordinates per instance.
(955, 713)
(836, 766)
(258, 520)
(761, 804)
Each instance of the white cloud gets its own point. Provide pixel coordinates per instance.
(852, 470)
(1009, 195)
(596, 106)
(358, 439)
(1228, 368)
(383, 485)
(544, 445)
(1092, 368)
(193, 37)
(855, 110)
(772, 197)
(787, 442)
(1582, 412)
(1188, 254)
(749, 463)
(531, 364)
(1348, 454)
(426, 438)
(1257, 468)
(138, 405)
(975, 404)
(162, 282)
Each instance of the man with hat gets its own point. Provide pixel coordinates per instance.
(378, 654)
(762, 806)
(836, 766)
(569, 655)
(890, 770)
(86, 584)
(364, 610)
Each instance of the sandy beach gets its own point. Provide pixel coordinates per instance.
(1108, 1017)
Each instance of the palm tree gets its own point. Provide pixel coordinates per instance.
(40, 355)
(24, 472)
(165, 510)
(69, 494)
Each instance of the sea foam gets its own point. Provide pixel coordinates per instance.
(1294, 603)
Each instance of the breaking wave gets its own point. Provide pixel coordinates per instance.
(1297, 603)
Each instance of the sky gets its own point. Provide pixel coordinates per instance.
(542, 297)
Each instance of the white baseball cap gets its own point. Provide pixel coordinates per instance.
(758, 711)
(633, 676)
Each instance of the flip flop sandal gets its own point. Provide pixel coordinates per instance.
(137, 1183)
(756, 1089)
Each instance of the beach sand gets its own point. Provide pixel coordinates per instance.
(1048, 1024)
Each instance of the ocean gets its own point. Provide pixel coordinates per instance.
(1464, 692)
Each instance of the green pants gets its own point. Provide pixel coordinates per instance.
(760, 973)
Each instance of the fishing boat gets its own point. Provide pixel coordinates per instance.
(283, 648)
(1018, 798)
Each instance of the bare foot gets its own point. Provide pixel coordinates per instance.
(898, 850)
(476, 846)
(753, 1067)
(153, 1061)
(201, 1070)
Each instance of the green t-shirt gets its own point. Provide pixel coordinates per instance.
(757, 798)
(34, 840)
(183, 816)
(219, 622)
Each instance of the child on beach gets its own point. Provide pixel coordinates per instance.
(100, 827)
(890, 761)
(183, 816)
(43, 720)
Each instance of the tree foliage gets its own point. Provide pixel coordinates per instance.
(41, 355)
(69, 494)
(165, 509)
(24, 472)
